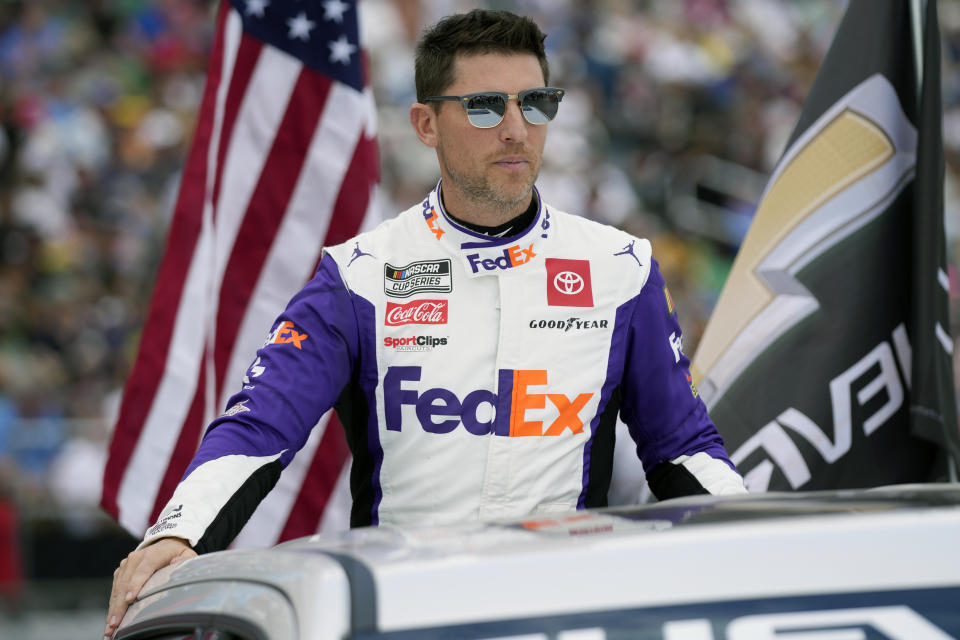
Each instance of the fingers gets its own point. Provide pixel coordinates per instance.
(113, 619)
(135, 570)
(118, 592)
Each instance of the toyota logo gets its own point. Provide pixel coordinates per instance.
(568, 283)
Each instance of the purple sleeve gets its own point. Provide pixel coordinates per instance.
(295, 377)
(660, 404)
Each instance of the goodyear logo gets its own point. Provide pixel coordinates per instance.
(519, 391)
(576, 324)
(417, 277)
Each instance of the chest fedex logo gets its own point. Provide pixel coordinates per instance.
(440, 410)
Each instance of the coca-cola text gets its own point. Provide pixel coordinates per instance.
(416, 312)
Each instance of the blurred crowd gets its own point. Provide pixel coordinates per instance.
(97, 101)
(676, 113)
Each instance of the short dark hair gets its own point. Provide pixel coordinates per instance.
(477, 32)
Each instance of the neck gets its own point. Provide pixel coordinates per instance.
(508, 229)
(482, 212)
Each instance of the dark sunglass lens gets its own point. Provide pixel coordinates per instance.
(485, 110)
(539, 107)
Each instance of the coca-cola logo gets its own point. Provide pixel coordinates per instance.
(416, 312)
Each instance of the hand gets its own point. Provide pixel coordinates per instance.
(135, 569)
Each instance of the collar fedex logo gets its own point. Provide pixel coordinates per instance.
(519, 391)
(513, 256)
(432, 219)
(286, 333)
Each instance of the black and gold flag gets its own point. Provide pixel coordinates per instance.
(827, 362)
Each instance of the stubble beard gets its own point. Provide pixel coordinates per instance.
(482, 192)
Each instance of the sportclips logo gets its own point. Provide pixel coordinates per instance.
(417, 277)
(439, 410)
(416, 312)
(414, 343)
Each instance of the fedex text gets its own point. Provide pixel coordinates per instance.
(440, 410)
(511, 257)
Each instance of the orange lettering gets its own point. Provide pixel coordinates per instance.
(287, 334)
(432, 223)
(520, 256)
(296, 338)
(523, 378)
(579, 517)
(569, 413)
(539, 524)
(280, 331)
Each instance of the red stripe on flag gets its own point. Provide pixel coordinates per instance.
(155, 341)
(186, 445)
(254, 239)
(270, 198)
(332, 451)
(354, 196)
(318, 484)
(247, 55)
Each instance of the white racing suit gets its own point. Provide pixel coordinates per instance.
(475, 377)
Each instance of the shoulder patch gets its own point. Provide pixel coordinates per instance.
(666, 296)
(286, 333)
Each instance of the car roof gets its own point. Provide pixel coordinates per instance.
(689, 550)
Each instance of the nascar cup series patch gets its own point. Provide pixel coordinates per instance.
(425, 276)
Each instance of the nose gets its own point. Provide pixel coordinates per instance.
(514, 125)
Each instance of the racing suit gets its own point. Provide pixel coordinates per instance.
(476, 378)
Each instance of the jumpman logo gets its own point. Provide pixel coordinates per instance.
(357, 253)
(628, 251)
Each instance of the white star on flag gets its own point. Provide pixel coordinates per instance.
(300, 27)
(256, 7)
(341, 50)
(333, 10)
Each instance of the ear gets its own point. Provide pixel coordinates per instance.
(424, 121)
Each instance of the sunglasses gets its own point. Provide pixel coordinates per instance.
(486, 108)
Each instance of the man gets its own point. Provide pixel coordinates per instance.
(478, 347)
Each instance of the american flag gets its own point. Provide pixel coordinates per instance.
(283, 161)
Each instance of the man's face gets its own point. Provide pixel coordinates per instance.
(493, 167)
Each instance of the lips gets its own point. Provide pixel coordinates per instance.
(512, 162)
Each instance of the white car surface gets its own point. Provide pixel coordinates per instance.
(841, 565)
